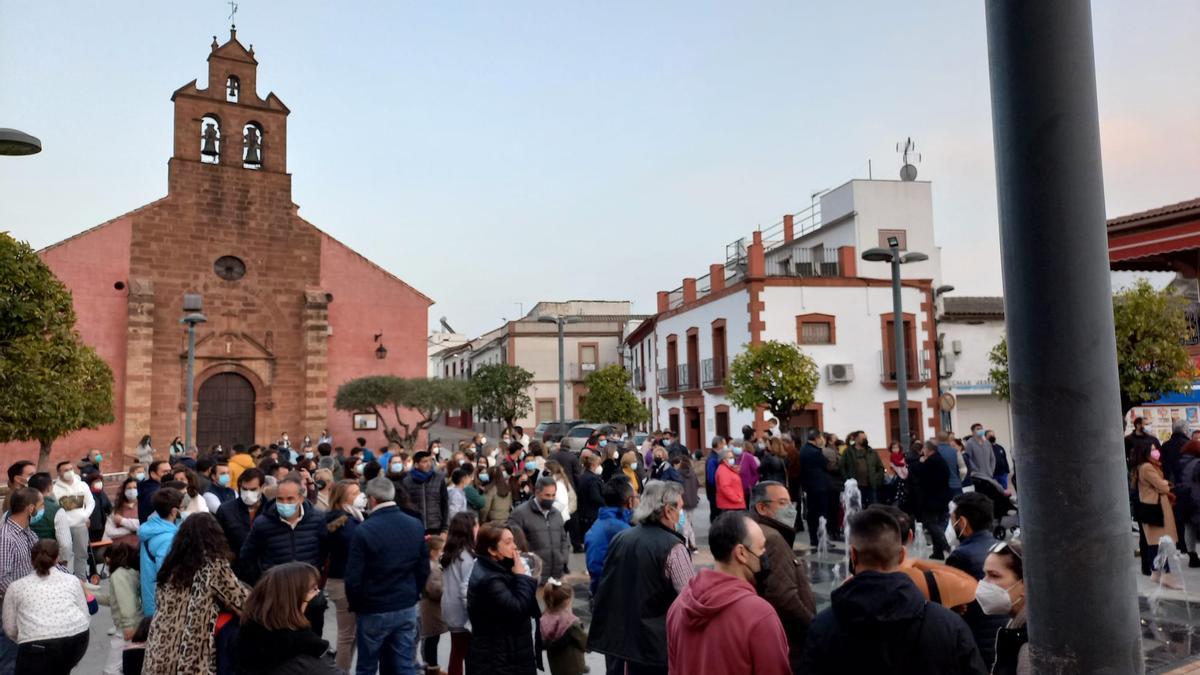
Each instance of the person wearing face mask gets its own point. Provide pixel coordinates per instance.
(122, 525)
(25, 506)
(719, 623)
(154, 538)
(660, 468)
(730, 496)
(426, 487)
(629, 467)
(747, 466)
(879, 622)
(346, 507)
(498, 494)
(786, 586)
(99, 517)
(980, 451)
(590, 491)
(78, 503)
(645, 569)
(613, 518)
(544, 528)
(1002, 593)
(1153, 510)
(970, 532)
(276, 637)
(235, 516)
(930, 477)
(219, 490)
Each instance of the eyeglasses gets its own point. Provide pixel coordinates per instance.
(1002, 546)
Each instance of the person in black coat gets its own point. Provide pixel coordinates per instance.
(570, 464)
(879, 622)
(502, 604)
(818, 484)
(236, 515)
(275, 637)
(589, 493)
(933, 495)
(146, 489)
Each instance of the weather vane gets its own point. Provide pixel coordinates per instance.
(232, 12)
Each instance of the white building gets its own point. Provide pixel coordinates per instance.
(439, 341)
(803, 281)
(970, 327)
(594, 338)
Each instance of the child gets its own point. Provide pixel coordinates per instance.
(431, 624)
(456, 495)
(563, 636)
(124, 597)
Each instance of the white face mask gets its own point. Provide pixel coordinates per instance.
(952, 535)
(597, 469)
(483, 440)
(633, 466)
(131, 494)
(359, 468)
(993, 599)
(97, 485)
(360, 502)
(250, 497)
(68, 476)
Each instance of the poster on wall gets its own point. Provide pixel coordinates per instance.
(1158, 419)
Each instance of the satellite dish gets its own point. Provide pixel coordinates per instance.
(908, 173)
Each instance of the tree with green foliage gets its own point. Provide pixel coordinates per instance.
(51, 383)
(609, 398)
(1150, 327)
(775, 374)
(429, 398)
(502, 392)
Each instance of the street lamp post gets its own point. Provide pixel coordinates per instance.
(561, 321)
(938, 351)
(893, 256)
(17, 142)
(191, 305)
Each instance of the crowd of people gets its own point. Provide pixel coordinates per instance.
(227, 561)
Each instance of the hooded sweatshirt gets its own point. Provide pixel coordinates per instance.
(719, 625)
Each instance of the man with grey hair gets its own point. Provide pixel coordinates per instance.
(785, 585)
(645, 569)
(386, 570)
(544, 529)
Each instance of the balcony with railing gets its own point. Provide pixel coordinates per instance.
(639, 379)
(664, 382)
(712, 374)
(887, 369)
(681, 377)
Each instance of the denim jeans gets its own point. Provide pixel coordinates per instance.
(386, 641)
(8, 655)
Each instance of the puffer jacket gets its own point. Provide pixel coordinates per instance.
(430, 499)
(154, 541)
(272, 542)
(496, 509)
(502, 606)
(546, 534)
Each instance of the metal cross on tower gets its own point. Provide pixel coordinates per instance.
(232, 12)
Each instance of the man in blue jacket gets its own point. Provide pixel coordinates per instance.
(710, 477)
(972, 521)
(385, 574)
(620, 499)
(154, 540)
(287, 530)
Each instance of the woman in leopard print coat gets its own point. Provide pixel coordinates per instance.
(195, 584)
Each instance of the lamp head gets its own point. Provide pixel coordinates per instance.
(877, 255)
(914, 256)
(547, 319)
(893, 242)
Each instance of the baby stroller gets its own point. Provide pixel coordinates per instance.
(1005, 507)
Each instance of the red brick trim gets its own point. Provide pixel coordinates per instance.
(914, 380)
(816, 317)
(889, 406)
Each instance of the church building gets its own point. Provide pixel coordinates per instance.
(291, 312)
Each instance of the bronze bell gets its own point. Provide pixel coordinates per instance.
(253, 146)
(210, 140)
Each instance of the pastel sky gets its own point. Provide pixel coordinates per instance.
(497, 154)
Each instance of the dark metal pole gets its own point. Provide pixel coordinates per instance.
(191, 380)
(1061, 349)
(562, 381)
(900, 360)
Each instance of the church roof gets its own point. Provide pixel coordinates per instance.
(106, 223)
(233, 49)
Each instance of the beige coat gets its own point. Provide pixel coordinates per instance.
(1152, 487)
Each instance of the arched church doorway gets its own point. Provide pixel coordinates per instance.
(226, 411)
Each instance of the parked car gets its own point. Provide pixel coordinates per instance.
(551, 432)
(577, 437)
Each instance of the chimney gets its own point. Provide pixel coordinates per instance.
(847, 261)
(789, 228)
(716, 277)
(664, 301)
(756, 262)
(689, 290)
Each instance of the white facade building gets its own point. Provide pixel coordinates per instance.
(970, 328)
(803, 281)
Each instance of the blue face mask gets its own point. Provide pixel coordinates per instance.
(223, 479)
(604, 442)
(37, 516)
(286, 510)
(682, 522)
(485, 478)
(737, 450)
(530, 466)
(99, 457)
(397, 467)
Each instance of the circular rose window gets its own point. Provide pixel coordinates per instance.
(229, 268)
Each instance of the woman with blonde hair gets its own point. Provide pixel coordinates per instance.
(629, 467)
(565, 499)
(323, 480)
(346, 504)
(276, 637)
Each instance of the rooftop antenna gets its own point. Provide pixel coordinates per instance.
(232, 12)
(910, 157)
(445, 326)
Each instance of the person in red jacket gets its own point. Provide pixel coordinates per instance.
(730, 495)
(719, 624)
